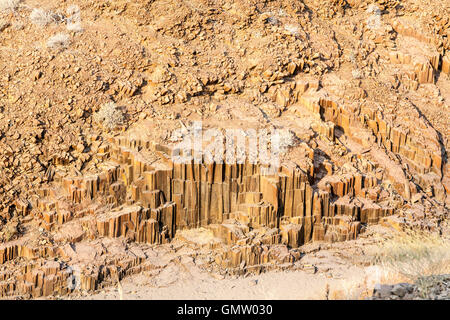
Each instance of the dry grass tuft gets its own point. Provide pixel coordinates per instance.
(74, 19)
(41, 17)
(357, 74)
(9, 5)
(59, 41)
(412, 255)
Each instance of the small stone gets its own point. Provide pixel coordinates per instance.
(408, 287)
(37, 75)
(382, 290)
(80, 147)
(213, 107)
(408, 296)
(267, 74)
(399, 290)
(4, 25)
(417, 197)
(309, 268)
(291, 67)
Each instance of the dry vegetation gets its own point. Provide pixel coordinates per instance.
(59, 41)
(41, 17)
(420, 258)
(109, 115)
(9, 5)
(413, 254)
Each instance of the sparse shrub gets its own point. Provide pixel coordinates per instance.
(17, 25)
(74, 19)
(429, 286)
(75, 27)
(357, 74)
(273, 20)
(9, 5)
(292, 29)
(41, 17)
(109, 115)
(287, 140)
(352, 57)
(10, 230)
(58, 41)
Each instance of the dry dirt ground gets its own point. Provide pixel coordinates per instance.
(287, 285)
(96, 97)
(341, 271)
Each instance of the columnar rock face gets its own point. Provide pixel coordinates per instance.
(425, 59)
(263, 216)
(446, 64)
(155, 200)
